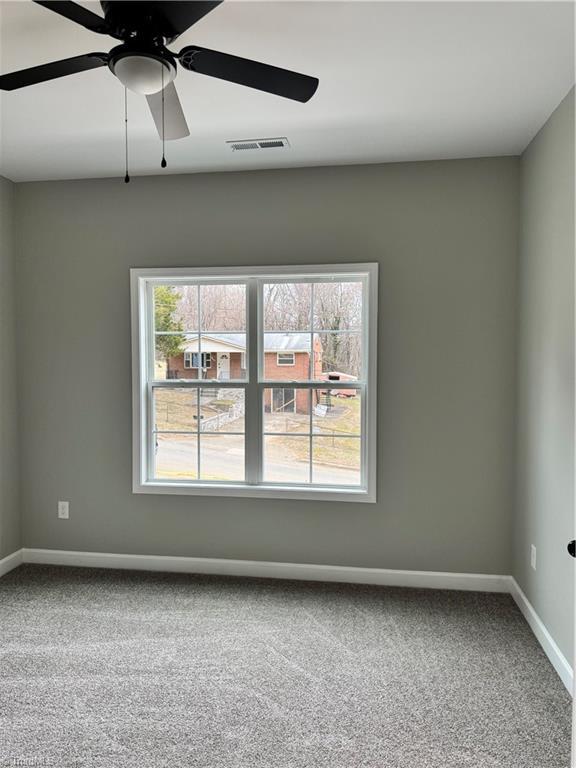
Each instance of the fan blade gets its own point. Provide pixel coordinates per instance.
(180, 16)
(262, 77)
(175, 125)
(55, 69)
(76, 13)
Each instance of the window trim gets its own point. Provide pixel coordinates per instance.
(142, 333)
(285, 365)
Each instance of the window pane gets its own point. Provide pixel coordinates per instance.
(286, 410)
(176, 457)
(287, 459)
(336, 412)
(222, 457)
(173, 358)
(276, 348)
(338, 356)
(336, 460)
(175, 410)
(286, 306)
(222, 410)
(337, 306)
(223, 307)
(176, 308)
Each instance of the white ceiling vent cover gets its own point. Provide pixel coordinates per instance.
(280, 142)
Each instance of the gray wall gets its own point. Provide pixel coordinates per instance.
(9, 480)
(445, 235)
(545, 496)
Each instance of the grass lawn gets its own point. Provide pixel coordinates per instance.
(332, 443)
(343, 419)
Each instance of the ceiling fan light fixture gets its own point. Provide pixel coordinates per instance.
(143, 74)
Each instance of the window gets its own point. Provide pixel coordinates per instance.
(191, 360)
(245, 427)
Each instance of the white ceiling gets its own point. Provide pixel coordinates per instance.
(398, 81)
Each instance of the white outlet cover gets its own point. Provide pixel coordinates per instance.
(63, 510)
(533, 556)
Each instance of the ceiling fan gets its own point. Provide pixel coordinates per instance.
(144, 64)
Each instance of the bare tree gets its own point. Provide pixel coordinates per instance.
(338, 312)
(287, 306)
(222, 308)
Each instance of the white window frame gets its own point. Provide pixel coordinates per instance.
(142, 282)
(206, 357)
(285, 354)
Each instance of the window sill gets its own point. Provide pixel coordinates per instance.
(356, 495)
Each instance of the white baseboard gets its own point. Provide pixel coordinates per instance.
(10, 562)
(557, 658)
(477, 582)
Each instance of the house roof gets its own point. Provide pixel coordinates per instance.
(236, 342)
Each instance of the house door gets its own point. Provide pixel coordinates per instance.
(224, 366)
(283, 400)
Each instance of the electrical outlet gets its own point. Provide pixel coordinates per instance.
(533, 556)
(63, 510)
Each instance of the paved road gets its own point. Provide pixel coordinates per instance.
(222, 460)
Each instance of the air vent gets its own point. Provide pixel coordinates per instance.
(244, 145)
(276, 143)
(270, 144)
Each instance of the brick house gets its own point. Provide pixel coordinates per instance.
(223, 357)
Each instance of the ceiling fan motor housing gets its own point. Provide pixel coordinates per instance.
(131, 19)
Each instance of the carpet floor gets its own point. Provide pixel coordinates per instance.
(104, 669)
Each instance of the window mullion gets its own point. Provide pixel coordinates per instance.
(253, 415)
(199, 370)
(150, 356)
(151, 428)
(364, 437)
(311, 375)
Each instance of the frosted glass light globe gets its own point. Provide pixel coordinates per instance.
(143, 74)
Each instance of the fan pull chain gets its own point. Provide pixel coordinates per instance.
(163, 164)
(127, 177)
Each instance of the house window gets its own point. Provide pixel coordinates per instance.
(285, 358)
(308, 432)
(191, 360)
